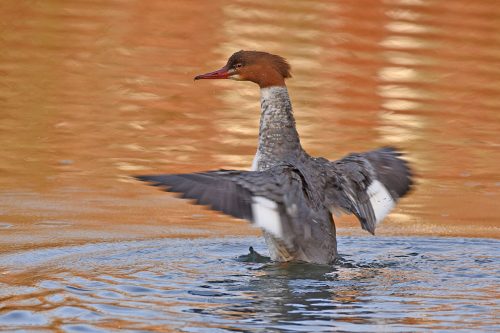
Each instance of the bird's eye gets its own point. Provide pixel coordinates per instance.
(238, 66)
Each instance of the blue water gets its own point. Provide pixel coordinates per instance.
(200, 285)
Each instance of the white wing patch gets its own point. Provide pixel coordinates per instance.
(266, 215)
(380, 199)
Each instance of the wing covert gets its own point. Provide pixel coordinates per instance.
(368, 185)
(261, 197)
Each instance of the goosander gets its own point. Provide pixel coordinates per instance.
(289, 194)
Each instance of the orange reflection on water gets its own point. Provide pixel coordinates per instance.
(93, 93)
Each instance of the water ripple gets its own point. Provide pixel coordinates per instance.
(403, 284)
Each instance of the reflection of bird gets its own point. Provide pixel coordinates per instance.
(289, 194)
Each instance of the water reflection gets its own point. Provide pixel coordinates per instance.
(411, 284)
(288, 293)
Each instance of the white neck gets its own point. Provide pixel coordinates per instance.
(278, 138)
(274, 94)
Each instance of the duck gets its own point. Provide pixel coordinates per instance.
(287, 193)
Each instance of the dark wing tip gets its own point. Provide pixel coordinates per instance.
(366, 224)
(402, 170)
(144, 178)
(151, 179)
(410, 175)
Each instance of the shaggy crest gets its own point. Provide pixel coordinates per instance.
(255, 57)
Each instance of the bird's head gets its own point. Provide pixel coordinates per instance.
(263, 68)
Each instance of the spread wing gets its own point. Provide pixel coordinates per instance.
(367, 185)
(277, 200)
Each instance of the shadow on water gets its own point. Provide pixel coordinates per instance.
(380, 284)
(291, 296)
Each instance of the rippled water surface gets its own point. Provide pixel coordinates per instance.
(92, 92)
(381, 284)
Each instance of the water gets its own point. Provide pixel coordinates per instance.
(94, 92)
(380, 285)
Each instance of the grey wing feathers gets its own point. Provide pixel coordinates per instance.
(391, 170)
(241, 194)
(217, 189)
(368, 185)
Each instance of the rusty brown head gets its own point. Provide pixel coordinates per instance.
(263, 68)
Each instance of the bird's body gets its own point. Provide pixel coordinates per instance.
(288, 194)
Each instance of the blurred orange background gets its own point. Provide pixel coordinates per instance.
(93, 92)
